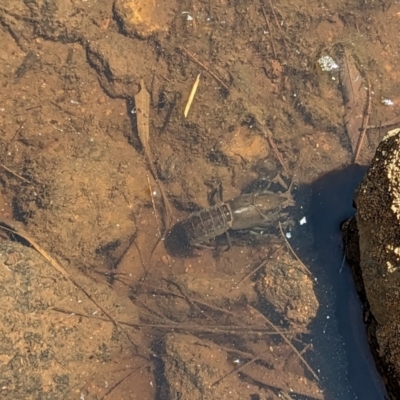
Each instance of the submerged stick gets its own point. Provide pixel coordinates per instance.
(365, 121)
(15, 174)
(190, 328)
(238, 369)
(292, 251)
(287, 341)
(163, 292)
(268, 135)
(276, 18)
(154, 206)
(387, 124)
(142, 104)
(123, 379)
(205, 68)
(252, 272)
(352, 86)
(186, 297)
(191, 96)
(270, 31)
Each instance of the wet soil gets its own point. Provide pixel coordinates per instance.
(74, 172)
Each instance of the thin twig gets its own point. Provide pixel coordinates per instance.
(160, 235)
(268, 135)
(205, 68)
(154, 206)
(287, 341)
(236, 370)
(165, 78)
(15, 174)
(112, 388)
(163, 292)
(269, 30)
(237, 352)
(191, 96)
(190, 328)
(388, 124)
(187, 298)
(243, 366)
(291, 249)
(32, 108)
(152, 313)
(365, 120)
(21, 125)
(305, 348)
(276, 18)
(251, 273)
(142, 103)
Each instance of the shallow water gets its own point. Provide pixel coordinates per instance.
(74, 172)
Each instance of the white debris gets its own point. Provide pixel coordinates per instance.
(328, 64)
(387, 102)
(303, 221)
(188, 16)
(288, 235)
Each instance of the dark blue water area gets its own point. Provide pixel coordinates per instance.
(342, 354)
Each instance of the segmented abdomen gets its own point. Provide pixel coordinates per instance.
(207, 224)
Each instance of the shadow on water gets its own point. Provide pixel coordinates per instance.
(340, 338)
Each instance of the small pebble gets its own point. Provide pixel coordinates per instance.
(165, 259)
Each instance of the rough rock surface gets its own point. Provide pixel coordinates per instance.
(289, 289)
(69, 197)
(46, 353)
(141, 18)
(378, 221)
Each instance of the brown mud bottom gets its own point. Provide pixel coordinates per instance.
(215, 334)
(208, 332)
(83, 180)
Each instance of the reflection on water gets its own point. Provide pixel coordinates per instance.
(339, 333)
